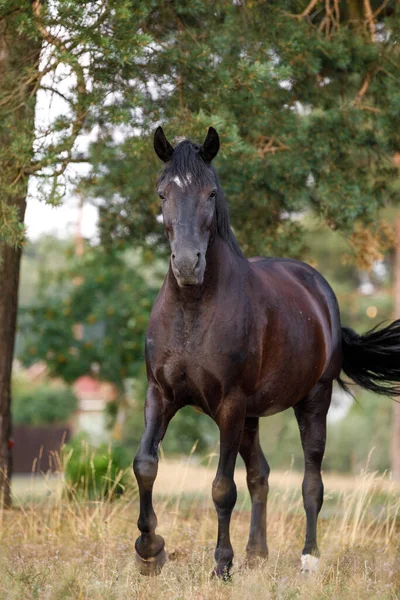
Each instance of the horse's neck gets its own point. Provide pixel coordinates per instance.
(222, 269)
(223, 265)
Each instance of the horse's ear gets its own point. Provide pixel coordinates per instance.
(163, 148)
(210, 147)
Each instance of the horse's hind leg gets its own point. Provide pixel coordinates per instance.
(311, 417)
(257, 482)
(149, 546)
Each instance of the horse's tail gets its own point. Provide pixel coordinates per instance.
(372, 360)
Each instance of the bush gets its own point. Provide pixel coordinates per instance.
(189, 426)
(350, 440)
(96, 473)
(42, 404)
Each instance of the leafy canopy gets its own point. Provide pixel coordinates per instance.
(305, 97)
(79, 60)
(304, 94)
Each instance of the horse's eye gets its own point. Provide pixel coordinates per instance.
(161, 196)
(212, 195)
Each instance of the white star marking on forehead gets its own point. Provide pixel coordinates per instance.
(181, 183)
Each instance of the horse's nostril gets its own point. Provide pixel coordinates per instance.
(198, 255)
(173, 257)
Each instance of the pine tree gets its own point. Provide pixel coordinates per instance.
(306, 99)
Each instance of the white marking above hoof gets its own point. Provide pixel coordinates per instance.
(309, 563)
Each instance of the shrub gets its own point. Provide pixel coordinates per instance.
(189, 426)
(96, 473)
(42, 404)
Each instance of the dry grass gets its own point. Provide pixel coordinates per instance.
(58, 549)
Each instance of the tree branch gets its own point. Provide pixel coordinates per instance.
(307, 10)
(38, 165)
(48, 88)
(362, 91)
(268, 145)
(381, 8)
(370, 19)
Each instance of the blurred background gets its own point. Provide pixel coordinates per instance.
(306, 99)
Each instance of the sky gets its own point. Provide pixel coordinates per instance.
(42, 218)
(62, 221)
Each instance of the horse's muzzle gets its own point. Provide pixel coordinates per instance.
(188, 268)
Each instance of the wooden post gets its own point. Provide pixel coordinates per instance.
(395, 449)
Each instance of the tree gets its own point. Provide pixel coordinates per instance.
(19, 57)
(306, 99)
(91, 317)
(83, 53)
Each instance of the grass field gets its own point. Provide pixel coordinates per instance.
(57, 549)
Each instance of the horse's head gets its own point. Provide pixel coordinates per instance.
(188, 189)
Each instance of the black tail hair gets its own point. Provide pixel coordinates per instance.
(372, 360)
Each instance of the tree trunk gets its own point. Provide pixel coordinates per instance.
(396, 405)
(10, 258)
(19, 64)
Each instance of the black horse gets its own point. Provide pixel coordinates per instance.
(241, 339)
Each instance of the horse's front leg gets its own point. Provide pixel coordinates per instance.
(230, 420)
(149, 546)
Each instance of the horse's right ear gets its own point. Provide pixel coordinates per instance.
(163, 148)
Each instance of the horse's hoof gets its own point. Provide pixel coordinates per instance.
(153, 565)
(309, 563)
(223, 573)
(253, 560)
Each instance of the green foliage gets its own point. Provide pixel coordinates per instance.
(43, 404)
(41, 260)
(308, 110)
(359, 440)
(92, 316)
(94, 49)
(362, 437)
(330, 254)
(96, 473)
(188, 429)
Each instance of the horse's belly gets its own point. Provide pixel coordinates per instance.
(283, 385)
(267, 403)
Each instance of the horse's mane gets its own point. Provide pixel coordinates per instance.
(186, 159)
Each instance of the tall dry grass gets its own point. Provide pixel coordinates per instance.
(59, 547)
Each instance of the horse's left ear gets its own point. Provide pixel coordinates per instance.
(210, 147)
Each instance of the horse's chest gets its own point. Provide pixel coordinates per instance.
(198, 358)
